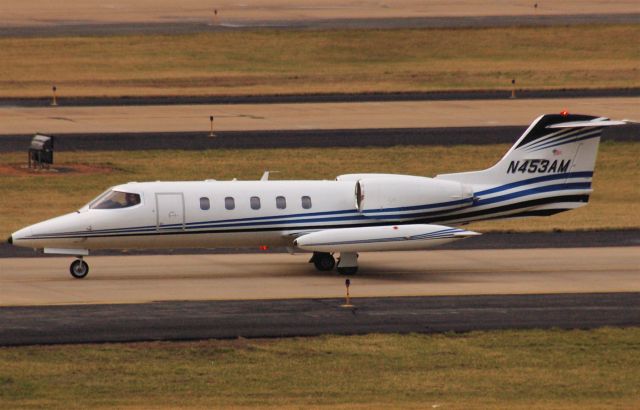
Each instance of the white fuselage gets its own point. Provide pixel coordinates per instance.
(170, 215)
(176, 215)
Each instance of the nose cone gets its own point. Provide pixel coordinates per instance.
(19, 238)
(48, 234)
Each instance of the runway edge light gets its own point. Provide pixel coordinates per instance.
(54, 102)
(347, 303)
(211, 134)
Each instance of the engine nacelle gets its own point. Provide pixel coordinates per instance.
(387, 198)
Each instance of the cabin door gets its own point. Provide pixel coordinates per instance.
(170, 207)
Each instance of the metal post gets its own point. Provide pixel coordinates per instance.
(513, 88)
(211, 134)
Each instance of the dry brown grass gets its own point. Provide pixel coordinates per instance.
(272, 61)
(507, 369)
(28, 199)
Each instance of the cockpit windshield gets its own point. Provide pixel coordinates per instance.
(115, 200)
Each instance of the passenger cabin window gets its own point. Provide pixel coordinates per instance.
(115, 200)
(204, 203)
(255, 202)
(281, 202)
(229, 203)
(306, 202)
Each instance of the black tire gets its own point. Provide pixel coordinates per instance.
(348, 270)
(324, 261)
(79, 269)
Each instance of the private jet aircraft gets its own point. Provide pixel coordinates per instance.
(548, 170)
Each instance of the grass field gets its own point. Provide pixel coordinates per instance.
(274, 61)
(26, 199)
(506, 369)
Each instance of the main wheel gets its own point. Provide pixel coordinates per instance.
(348, 270)
(79, 269)
(323, 261)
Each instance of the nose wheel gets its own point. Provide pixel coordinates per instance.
(79, 269)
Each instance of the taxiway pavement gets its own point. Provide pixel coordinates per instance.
(140, 279)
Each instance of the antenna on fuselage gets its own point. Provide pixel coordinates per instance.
(265, 176)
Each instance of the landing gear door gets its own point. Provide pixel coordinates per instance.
(170, 211)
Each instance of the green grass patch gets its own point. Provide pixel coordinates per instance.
(285, 61)
(502, 369)
(28, 198)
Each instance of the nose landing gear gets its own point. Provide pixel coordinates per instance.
(348, 263)
(79, 268)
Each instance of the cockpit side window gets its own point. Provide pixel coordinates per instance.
(115, 200)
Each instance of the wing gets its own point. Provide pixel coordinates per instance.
(378, 238)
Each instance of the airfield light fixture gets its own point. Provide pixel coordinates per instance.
(54, 89)
(347, 302)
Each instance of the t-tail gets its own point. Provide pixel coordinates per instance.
(548, 170)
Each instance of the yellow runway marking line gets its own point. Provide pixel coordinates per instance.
(411, 114)
(135, 279)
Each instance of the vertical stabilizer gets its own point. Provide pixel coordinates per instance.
(548, 170)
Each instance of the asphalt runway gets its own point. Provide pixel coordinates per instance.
(310, 317)
(79, 28)
(293, 138)
(450, 95)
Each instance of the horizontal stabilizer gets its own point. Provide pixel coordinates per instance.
(594, 123)
(465, 234)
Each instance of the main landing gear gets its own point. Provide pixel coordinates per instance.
(347, 262)
(79, 268)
